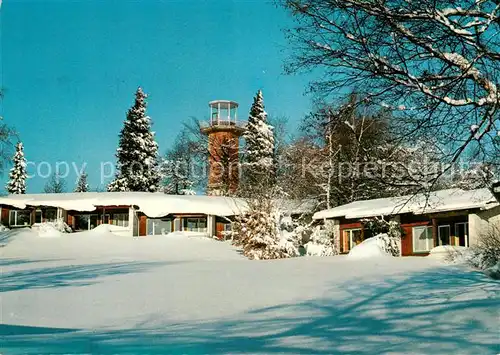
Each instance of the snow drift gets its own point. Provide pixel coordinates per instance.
(47, 230)
(448, 251)
(370, 248)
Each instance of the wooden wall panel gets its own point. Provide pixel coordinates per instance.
(142, 225)
(5, 216)
(219, 226)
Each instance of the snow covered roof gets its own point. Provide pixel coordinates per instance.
(153, 205)
(437, 201)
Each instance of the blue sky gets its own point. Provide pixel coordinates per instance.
(70, 70)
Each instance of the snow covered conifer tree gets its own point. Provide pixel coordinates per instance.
(137, 151)
(17, 176)
(259, 164)
(82, 185)
(257, 232)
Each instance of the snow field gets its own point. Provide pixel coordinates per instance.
(100, 293)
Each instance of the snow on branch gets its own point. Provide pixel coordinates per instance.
(435, 57)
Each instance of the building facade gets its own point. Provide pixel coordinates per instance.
(448, 217)
(136, 214)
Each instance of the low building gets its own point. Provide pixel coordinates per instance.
(139, 213)
(447, 217)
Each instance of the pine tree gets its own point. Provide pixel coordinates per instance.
(259, 161)
(137, 151)
(82, 185)
(17, 176)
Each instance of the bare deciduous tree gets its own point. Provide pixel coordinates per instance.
(6, 135)
(55, 185)
(436, 64)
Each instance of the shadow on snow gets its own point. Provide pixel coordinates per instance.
(72, 275)
(418, 313)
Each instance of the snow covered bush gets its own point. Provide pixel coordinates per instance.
(58, 225)
(484, 256)
(323, 241)
(258, 232)
(61, 226)
(494, 271)
(52, 229)
(3, 228)
(486, 253)
(391, 231)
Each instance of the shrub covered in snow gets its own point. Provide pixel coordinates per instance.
(390, 229)
(494, 271)
(322, 241)
(3, 228)
(52, 229)
(484, 256)
(61, 226)
(486, 253)
(258, 232)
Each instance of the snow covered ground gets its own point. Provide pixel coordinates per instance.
(95, 293)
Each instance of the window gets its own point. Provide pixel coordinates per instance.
(94, 221)
(82, 222)
(423, 240)
(352, 237)
(195, 224)
(38, 216)
(50, 215)
(18, 218)
(157, 226)
(462, 233)
(177, 224)
(120, 219)
(444, 233)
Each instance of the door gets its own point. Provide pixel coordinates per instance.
(444, 233)
(93, 221)
(462, 233)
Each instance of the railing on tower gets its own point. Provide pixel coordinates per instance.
(223, 113)
(215, 123)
